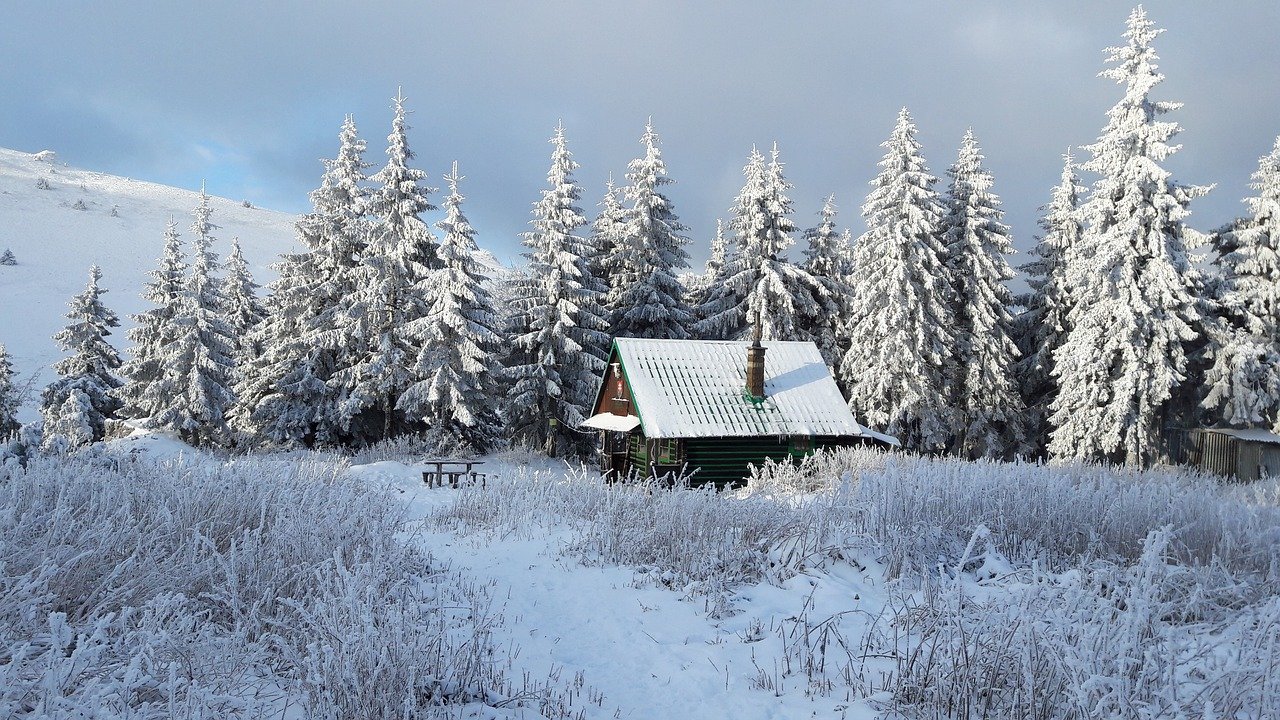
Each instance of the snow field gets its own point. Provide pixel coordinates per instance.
(186, 587)
(903, 587)
(151, 580)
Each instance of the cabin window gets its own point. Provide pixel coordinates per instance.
(668, 452)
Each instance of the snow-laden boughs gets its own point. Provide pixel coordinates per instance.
(9, 400)
(284, 394)
(699, 290)
(1042, 326)
(601, 252)
(645, 297)
(198, 366)
(387, 296)
(826, 259)
(901, 326)
(145, 391)
(990, 419)
(555, 321)
(456, 365)
(1244, 381)
(89, 374)
(760, 282)
(1134, 287)
(243, 308)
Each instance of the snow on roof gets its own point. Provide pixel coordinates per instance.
(1251, 434)
(694, 388)
(609, 421)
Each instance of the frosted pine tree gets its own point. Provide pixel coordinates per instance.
(90, 371)
(761, 282)
(388, 297)
(199, 364)
(901, 326)
(1125, 353)
(243, 308)
(9, 400)
(825, 260)
(556, 320)
(1244, 380)
(991, 422)
(284, 394)
(144, 391)
(68, 425)
(457, 362)
(602, 257)
(698, 291)
(1042, 326)
(646, 298)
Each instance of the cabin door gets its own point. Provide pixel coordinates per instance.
(616, 463)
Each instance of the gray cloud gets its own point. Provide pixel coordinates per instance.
(249, 95)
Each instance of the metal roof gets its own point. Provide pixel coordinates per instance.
(694, 388)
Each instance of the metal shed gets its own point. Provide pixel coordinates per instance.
(1246, 455)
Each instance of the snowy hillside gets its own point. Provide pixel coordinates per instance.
(55, 241)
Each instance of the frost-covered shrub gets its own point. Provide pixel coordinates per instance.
(1060, 515)
(1105, 640)
(192, 589)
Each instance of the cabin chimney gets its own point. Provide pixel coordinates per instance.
(755, 363)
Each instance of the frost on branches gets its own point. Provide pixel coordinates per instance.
(457, 363)
(199, 363)
(990, 420)
(146, 389)
(901, 325)
(827, 260)
(556, 320)
(285, 397)
(701, 288)
(389, 295)
(1125, 353)
(1244, 381)
(1042, 326)
(244, 310)
(78, 404)
(760, 282)
(646, 299)
(8, 398)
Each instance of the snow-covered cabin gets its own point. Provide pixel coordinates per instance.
(1246, 455)
(711, 408)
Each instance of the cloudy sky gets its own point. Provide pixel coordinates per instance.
(249, 95)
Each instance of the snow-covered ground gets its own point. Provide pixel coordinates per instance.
(147, 576)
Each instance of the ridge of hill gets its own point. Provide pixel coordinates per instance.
(58, 220)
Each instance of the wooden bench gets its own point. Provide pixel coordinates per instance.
(452, 472)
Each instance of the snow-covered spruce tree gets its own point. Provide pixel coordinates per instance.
(1244, 380)
(1042, 326)
(825, 259)
(552, 374)
(761, 282)
(243, 308)
(9, 400)
(600, 254)
(646, 299)
(68, 426)
(145, 391)
(458, 387)
(284, 397)
(389, 295)
(7, 258)
(90, 371)
(901, 326)
(199, 364)
(698, 288)
(991, 419)
(1135, 307)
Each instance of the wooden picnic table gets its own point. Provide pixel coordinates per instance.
(453, 470)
